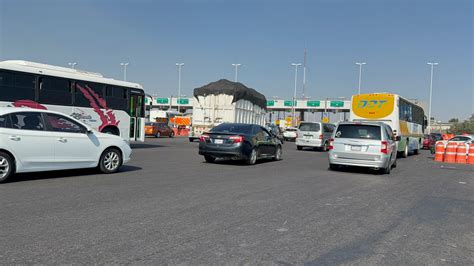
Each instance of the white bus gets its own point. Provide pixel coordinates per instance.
(405, 117)
(107, 105)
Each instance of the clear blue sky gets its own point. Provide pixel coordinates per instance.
(395, 38)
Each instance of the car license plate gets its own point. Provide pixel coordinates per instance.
(356, 148)
(307, 136)
(218, 141)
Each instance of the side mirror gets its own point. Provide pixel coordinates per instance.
(398, 138)
(88, 130)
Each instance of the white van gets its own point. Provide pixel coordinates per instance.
(314, 135)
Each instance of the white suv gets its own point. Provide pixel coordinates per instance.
(34, 140)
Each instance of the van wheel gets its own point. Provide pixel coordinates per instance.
(326, 146)
(110, 161)
(6, 166)
(299, 148)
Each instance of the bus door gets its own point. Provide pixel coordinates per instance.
(137, 119)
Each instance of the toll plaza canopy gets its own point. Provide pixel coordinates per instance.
(236, 89)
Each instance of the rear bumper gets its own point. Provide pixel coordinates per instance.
(380, 162)
(234, 152)
(309, 142)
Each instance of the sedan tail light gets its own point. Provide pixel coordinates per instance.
(237, 139)
(384, 147)
(203, 138)
(331, 144)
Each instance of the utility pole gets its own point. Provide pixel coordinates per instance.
(431, 93)
(293, 122)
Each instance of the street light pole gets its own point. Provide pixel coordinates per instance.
(431, 93)
(296, 65)
(72, 64)
(179, 84)
(236, 70)
(124, 70)
(360, 72)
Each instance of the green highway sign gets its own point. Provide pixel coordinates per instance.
(270, 103)
(313, 103)
(337, 104)
(162, 100)
(183, 101)
(289, 103)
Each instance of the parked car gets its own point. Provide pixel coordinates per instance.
(315, 135)
(290, 133)
(247, 142)
(276, 130)
(365, 144)
(158, 130)
(34, 140)
(429, 140)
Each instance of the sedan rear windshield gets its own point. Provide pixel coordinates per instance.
(233, 128)
(358, 132)
(309, 127)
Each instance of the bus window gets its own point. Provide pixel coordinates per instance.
(88, 93)
(55, 91)
(116, 97)
(17, 86)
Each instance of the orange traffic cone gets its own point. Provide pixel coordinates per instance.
(450, 154)
(461, 153)
(439, 151)
(470, 157)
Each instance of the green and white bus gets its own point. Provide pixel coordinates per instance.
(406, 118)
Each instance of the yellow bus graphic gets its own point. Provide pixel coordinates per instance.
(373, 106)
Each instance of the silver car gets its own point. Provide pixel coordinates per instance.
(365, 144)
(314, 135)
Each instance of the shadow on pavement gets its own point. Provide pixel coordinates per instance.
(64, 174)
(146, 146)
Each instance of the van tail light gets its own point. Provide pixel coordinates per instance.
(331, 144)
(320, 136)
(237, 139)
(384, 147)
(204, 138)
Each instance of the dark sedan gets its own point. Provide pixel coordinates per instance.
(239, 141)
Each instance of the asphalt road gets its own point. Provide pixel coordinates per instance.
(168, 206)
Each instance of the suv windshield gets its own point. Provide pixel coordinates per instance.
(309, 127)
(233, 128)
(358, 132)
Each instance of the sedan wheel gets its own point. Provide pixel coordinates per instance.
(252, 158)
(110, 161)
(278, 154)
(6, 166)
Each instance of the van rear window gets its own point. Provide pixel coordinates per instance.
(309, 127)
(358, 132)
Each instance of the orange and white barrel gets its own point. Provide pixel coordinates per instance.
(450, 154)
(439, 151)
(470, 156)
(461, 153)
